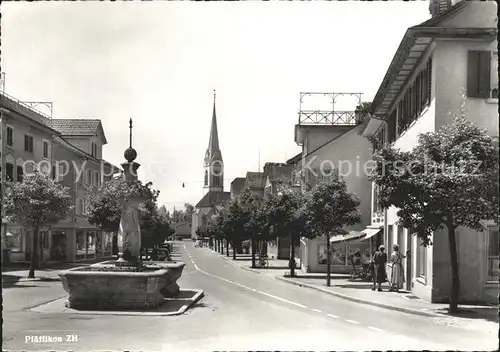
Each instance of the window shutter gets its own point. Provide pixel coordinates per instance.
(484, 74)
(26, 143)
(472, 74)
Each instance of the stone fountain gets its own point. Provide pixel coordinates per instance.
(126, 283)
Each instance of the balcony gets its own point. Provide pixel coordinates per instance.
(331, 118)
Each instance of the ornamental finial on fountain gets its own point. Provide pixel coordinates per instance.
(130, 154)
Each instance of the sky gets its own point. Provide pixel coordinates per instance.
(159, 62)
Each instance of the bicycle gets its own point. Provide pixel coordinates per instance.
(263, 262)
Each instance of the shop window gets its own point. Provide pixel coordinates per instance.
(91, 244)
(493, 250)
(9, 169)
(14, 240)
(58, 245)
(80, 245)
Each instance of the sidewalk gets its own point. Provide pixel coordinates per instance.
(13, 274)
(360, 292)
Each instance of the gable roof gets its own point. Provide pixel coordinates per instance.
(78, 127)
(212, 198)
(294, 159)
(411, 50)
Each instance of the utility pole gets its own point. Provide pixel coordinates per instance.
(328, 261)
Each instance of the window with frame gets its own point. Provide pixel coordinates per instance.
(415, 99)
(421, 259)
(493, 256)
(28, 143)
(89, 177)
(375, 205)
(19, 173)
(10, 136)
(391, 127)
(46, 149)
(390, 237)
(482, 75)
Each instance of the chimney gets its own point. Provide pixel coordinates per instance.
(437, 7)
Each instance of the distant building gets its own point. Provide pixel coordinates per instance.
(254, 181)
(273, 175)
(213, 179)
(237, 186)
(421, 91)
(82, 171)
(182, 230)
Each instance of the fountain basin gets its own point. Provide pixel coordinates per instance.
(109, 286)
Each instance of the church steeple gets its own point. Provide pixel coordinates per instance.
(214, 166)
(213, 142)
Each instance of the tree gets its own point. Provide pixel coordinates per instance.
(450, 179)
(37, 201)
(105, 208)
(250, 207)
(287, 218)
(234, 224)
(328, 208)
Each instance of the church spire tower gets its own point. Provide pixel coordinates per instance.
(214, 166)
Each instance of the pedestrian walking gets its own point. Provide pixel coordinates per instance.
(379, 260)
(397, 272)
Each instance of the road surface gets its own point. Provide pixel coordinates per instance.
(241, 310)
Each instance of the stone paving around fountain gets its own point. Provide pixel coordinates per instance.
(171, 306)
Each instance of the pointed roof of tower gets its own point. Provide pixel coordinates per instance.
(213, 142)
(213, 150)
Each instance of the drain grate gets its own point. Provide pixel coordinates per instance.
(411, 297)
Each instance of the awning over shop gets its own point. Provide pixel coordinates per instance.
(351, 236)
(369, 232)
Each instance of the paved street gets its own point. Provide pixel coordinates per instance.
(241, 310)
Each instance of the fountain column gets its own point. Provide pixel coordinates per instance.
(129, 236)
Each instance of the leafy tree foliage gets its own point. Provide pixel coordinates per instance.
(449, 179)
(329, 207)
(37, 201)
(105, 209)
(286, 217)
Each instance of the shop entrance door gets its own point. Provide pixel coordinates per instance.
(58, 246)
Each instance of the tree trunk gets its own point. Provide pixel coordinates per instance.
(292, 256)
(227, 248)
(234, 250)
(253, 250)
(455, 283)
(34, 253)
(328, 262)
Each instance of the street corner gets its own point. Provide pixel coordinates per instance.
(170, 307)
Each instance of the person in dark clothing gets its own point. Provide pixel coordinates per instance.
(379, 260)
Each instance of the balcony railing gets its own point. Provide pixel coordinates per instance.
(324, 117)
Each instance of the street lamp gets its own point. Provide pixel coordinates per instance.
(328, 210)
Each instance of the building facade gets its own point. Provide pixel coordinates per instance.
(26, 145)
(440, 63)
(32, 141)
(344, 149)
